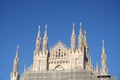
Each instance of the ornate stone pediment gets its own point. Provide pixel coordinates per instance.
(59, 45)
(59, 50)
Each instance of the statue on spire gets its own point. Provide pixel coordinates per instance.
(104, 69)
(14, 73)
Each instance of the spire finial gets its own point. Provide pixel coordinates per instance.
(80, 33)
(17, 50)
(80, 25)
(39, 28)
(85, 32)
(103, 43)
(45, 34)
(17, 46)
(73, 31)
(38, 31)
(97, 69)
(73, 24)
(46, 28)
(103, 48)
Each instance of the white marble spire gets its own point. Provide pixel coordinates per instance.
(14, 73)
(15, 67)
(104, 69)
(97, 69)
(73, 39)
(85, 40)
(45, 40)
(38, 40)
(80, 38)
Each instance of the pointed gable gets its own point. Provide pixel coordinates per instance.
(59, 50)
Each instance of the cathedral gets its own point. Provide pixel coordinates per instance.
(61, 62)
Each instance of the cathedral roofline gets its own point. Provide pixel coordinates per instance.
(61, 58)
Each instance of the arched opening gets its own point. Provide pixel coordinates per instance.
(58, 67)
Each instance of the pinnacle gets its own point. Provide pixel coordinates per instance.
(80, 25)
(45, 33)
(39, 27)
(103, 48)
(73, 31)
(17, 50)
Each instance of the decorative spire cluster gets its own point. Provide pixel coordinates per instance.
(40, 62)
(81, 40)
(38, 41)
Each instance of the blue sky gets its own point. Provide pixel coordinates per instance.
(19, 22)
